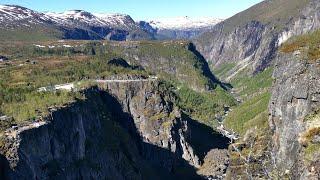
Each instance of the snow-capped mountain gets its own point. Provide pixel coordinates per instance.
(179, 27)
(74, 24)
(69, 17)
(10, 15)
(92, 19)
(118, 19)
(79, 24)
(183, 23)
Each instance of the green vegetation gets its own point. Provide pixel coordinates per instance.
(200, 106)
(314, 116)
(251, 113)
(204, 106)
(249, 85)
(222, 71)
(308, 44)
(36, 33)
(311, 152)
(2, 141)
(35, 105)
(56, 49)
(253, 90)
(158, 116)
(19, 80)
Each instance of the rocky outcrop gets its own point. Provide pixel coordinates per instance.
(295, 95)
(156, 119)
(215, 164)
(129, 130)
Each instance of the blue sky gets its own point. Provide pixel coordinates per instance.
(143, 9)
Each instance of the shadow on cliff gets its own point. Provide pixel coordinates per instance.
(206, 69)
(4, 167)
(203, 138)
(166, 164)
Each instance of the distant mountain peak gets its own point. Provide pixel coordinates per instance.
(184, 22)
(12, 13)
(96, 19)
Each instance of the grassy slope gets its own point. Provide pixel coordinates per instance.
(307, 44)
(249, 85)
(251, 113)
(223, 70)
(36, 33)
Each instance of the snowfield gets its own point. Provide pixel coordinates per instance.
(185, 22)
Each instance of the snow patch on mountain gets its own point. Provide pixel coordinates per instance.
(115, 18)
(14, 13)
(69, 17)
(92, 19)
(177, 23)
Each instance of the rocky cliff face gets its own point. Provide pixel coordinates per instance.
(294, 120)
(255, 42)
(157, 121)
(121, 130)
(240, 45)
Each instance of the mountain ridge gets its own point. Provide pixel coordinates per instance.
(81, 24)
